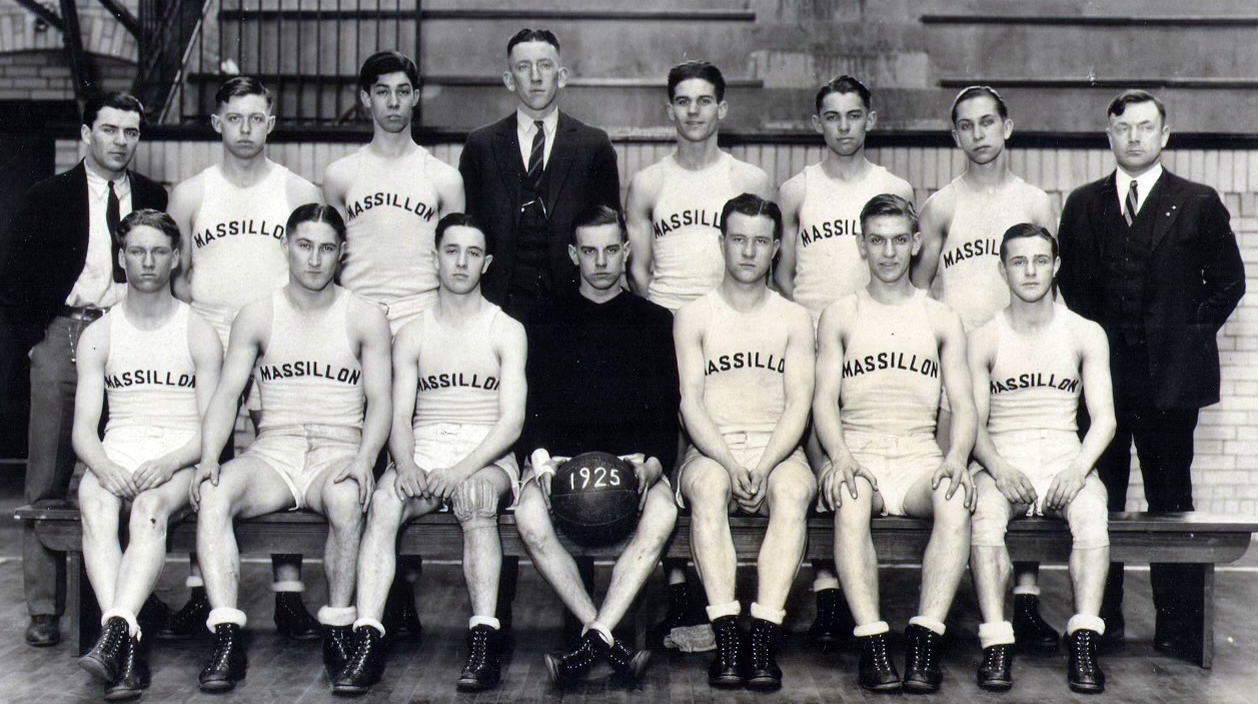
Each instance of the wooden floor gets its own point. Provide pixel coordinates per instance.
(424, 672)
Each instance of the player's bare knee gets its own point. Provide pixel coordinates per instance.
(341, 507)
(793, 493)
(1088, 518)
(149, 513)
(659, 516)
(476, 503)
(532, 519)
(990, 521)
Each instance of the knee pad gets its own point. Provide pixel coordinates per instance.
(1088, 518)
(476, 503)
(990, 521)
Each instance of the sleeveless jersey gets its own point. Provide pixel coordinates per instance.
(686, 260)
(828, 262)
(150, 380)
(744, 360)
(969, 261)
(309, 375)
(459, 371)
(891, 379)
(391, 223)
(236, 240)
(1035, 382)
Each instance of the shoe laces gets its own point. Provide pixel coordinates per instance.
(1084, 652)
(922, 651)
(478, 647)
(115, 637)
(726, 640)
(223, 648)
(364, 648)
(761, 646)
(994, 658)
(877, 649)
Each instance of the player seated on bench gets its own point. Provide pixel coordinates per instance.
(459, 399)
(603, 375)
(156, 363)
(745, 360)
(1030, 364)
(322, 354)
(885, 352)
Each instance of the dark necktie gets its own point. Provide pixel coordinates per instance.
(1133, 198)
(112, 218)
(536, 153)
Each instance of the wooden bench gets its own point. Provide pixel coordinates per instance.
(1200, 539)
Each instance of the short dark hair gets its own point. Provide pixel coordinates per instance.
(597, 216)
(888, 205)
(317, 213)
(528, 34)
(460, 220)
(155, 219)
(978, 92)
(696, 69)
(119, 101)
(238, 86)
(1024, 230)
(752, 205)
(844, 84)
(1131, 97)
(385, 62)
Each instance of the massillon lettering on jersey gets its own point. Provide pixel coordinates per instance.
(1034, 380)
(149, 377)
(685, 218)
(309, 368)
(891, 360)
(826, 230)
(432, 382)
(382, 199)
(745, 360)
(971, 249)
(232, 228)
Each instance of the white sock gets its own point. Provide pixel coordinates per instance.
(716, 611)
(996, 633)
(369, 622)
(1032, 590)
(871, 629)
(133, 626)
(1091, 623)
(928, 623)
(193, 582)
(490, 621)
(289, 585)
(824, 583)
(764, 613)
(337, 616)
(225, 614)
(603, 631)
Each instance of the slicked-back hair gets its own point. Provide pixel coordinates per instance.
(977, 92)
(889, 205)
(845, 84)
(1131, 97)
(752, 205)
(238, 86)
(528, 34)
(1025, 230)
(317, 213)
(597, 216)
(461, 220)
(119, 101)
(155, 219)
(696, 69)
(383, 63)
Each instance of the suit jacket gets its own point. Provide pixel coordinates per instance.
(581, 172)
(1194, 280)
(44, 248)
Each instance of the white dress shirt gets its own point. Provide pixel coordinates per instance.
(96, 286)
(525, 129)
(1144, 186)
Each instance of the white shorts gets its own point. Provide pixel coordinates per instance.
(1040, 455)
(746, 448)
(301, 453)
(440, 445)
(132, 446)
(402, 311)
(897, 463)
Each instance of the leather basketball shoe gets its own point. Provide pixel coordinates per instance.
(833, 626)
(483, 659)
(876, 672)
(133, 676)
(726, 669)
(1083, 674)
(995, 674)
(401, 620)
(627, 664)
(763, 672)
(189, 620)
(104, 660)
(292, 620)
(229, 662)
(1031, 632)
(566, 668)
(338, 645)
(365, 665)
(921, 660)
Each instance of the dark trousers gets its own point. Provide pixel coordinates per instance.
(1164, 446)
(50, 461)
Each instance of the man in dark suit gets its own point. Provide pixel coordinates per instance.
(529, 174)
(59, 271)
(1152, 258)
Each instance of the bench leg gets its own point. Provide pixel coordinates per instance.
(81, 604)
(1205, 657)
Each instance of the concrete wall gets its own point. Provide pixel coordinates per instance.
(1226, 468)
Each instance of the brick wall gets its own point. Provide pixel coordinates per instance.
(1226, 469)
(33, 65)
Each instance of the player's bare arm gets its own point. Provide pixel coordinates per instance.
(369, 331)
(410, 480)
(955, 372)
(450, 194)
(688, 340)
(791, 198)
(337, 179)
(89, 399)
(1098, 395)
(933, 223)
(511, 347)
(183, 206)
(639, 203)
(1011, 481)
(841, 474)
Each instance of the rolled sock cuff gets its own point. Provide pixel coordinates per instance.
(928, 623)
(765, 613)
(193, 581)
(997, 633)
(1032, 590)
(225, 615)
(821, 584)
(716, 611)
(490, 621)
(603, 631)
(337, 615)
(133, 626)
(1091, 623)
(369, 622)
(871, 629)
(289, 585)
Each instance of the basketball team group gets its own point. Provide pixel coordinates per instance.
(414, 338)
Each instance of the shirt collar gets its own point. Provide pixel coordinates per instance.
(550, 122)
(98, 186)
(1144, 182)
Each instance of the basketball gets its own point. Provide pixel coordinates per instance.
(594, 498)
